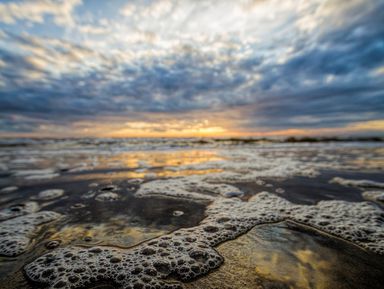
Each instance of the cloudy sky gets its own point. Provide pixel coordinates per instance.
(191, 68)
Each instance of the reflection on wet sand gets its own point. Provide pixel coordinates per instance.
(145, 174)
(288, 256)
(115, 233)
(279, 256)
(161, 158)
(150, 165)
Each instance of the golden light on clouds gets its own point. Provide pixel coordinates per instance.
(156, 128)
(198, 124)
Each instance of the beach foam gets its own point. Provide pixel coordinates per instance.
(188, 253)
(50, 194)
(107, 197)
(36, 174)
(192, 188)
(18, 210)
(357, 183)
(376, 196)
(8, 189)
(16, 233)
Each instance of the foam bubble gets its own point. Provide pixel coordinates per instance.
(188, 253)
(357, 183)
(50, 194)
(107, 197)
(18, 210)
(376, 196)
(16, 233)
(280, 191)
(177, 213)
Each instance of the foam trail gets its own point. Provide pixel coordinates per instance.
(357, 183)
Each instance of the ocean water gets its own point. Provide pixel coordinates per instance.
(191, 213)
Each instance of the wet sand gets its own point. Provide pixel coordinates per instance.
(282, 255)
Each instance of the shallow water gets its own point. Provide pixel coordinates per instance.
(286, 255)
(124, 193)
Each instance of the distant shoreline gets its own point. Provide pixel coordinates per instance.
(7, 142)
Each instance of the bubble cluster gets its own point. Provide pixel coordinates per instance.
(183, 255)
(18, 210)
(16, 233)
(360, 223)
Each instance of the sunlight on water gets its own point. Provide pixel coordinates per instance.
(153, 159)
(145, 174)
(289, 257)
(117, 233)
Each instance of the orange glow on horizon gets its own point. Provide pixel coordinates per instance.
(183, 128)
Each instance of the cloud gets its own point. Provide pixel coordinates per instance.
(266, 65)
(36, 10)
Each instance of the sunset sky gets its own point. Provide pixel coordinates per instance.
(191, 68)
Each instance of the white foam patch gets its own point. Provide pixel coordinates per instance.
(177, 213)
(18, 210)
(188, 253)
(50, 194)
(8, 189)
(192, 188)
(16, 233)
(376, 196)
(107, 197)
(36, 174)
(357, 183)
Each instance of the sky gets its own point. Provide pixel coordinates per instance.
(95, 68)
